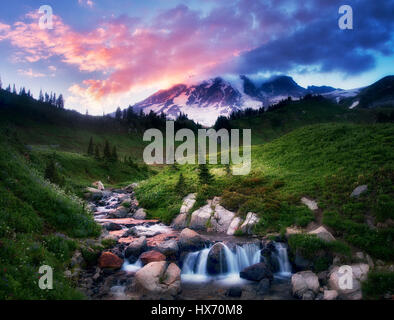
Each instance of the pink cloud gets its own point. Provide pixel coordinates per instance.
(179, 43)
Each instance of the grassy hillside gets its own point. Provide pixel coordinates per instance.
(325, 162)
(33, 213)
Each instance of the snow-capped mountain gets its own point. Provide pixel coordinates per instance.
(206, 101)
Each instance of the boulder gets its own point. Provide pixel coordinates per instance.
(152, 256)
(348, 290)
(234, 225)
(311, 204)
(292, 230)
(264, 286)
(201, 217)
(140, 214)
(93, 194)
(188, 203)
(251, 220)
(257, 272)
(111, 226)
(168, 248)
(330, 295)
(180, 221)
(120, 213)
(216, 261)
(135, 248)
(358, 191)
(323, 234)
(221, 219)
(190, 240)
(234, 292)
(98, 185)
(130, 188)
(304, 282)
(157, 280)
(108, 260)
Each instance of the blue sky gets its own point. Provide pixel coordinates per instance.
(104, 53)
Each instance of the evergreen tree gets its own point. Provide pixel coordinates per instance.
(46, 97)
(181, 187)
(118, 114)
(8, 88)
(1, 84)
(204, 175)
(41, 97)
(107, 151)
(14, 89)
(97, 152)
(90, 147)
(114, 154)
(51, 173)
(60, 102)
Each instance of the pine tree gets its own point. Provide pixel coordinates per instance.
(60, 102)
(14, 89)
(114, 155)
(118, 114)
(97, 152)
(1, 84)
(41, 97)
(46, 97)
(8, 88)
(204, 175)
(180, 187)
(90, 147)
(51, 173)
(107, 151)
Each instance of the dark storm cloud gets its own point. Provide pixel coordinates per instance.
(315, 38)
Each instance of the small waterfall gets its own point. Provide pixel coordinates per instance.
(132, 267)
(195, 263)
(280, 254)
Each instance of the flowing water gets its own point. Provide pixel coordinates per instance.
(280, 254)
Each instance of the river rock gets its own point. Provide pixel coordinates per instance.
(98, 185)
(201, 217)
(323, 234)
(359, 191)
(168, 248)
(93, 194)
(109, 260)
(234, 292)
(304, 282)
(140, 214)
(264, 286)
(234, 225)
(111, 226)
(157, 280)
(188, 203)
(130, 188)
(359, 273)
(251, 220)
(216, 261)
(135, 248)
(311, 204)
(120, 213)
(256, 272)
(152, 256)
(330, 295)
(221, 219)
(180, 221)
(190, 240)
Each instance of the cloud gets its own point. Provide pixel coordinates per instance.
(30, 73)
(88, 3)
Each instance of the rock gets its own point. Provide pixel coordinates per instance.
(93, 194)
(300, 262)
(190, 240)
(323, 277)
(234, 225)
(359, 273)
(168, 248)
(250, 221)
(130, 188)
(304, 281)
(201, 217)
(216, 261)
(311, 204)
(140, 214)
(111, 226)
(323, 233)
(98, 185)
(180, 221)
(152, 256)
(330, 295)
(263, 287)
(234, 292)
(120, 213)
(156, 279)
(110, 261)
(292, 230)
(221, 219)
(358, 191)
(135, 248)
(256, 272)
(308, 295)
(188, 203)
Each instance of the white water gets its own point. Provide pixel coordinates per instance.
(195, 264)
(132, 267)
(280, 254)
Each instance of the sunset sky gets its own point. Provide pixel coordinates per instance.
(102, 53)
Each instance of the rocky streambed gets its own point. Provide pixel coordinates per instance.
(199, 256)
